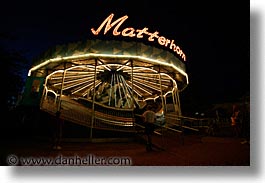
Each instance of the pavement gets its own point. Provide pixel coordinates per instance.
(170, 149)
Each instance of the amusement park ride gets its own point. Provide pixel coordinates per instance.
(103, 84)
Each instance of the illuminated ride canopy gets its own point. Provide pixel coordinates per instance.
(115, 74)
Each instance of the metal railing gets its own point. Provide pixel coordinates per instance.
(103, 117)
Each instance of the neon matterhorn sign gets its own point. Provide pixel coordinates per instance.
(138, 33)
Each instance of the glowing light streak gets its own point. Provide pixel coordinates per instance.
(120, 68)
(123, 87)
(74, 85)
(167, 93)
(174, 82)
(151, 98)
(48, 90)
(104, 67)
(134, 90)
(115, 89)
(155, 80)
(90, 87)
(130, 91)
(75, 80)
(69, 77)
(92, 55)
(114, 65)
(98, 83)
(119, 85)
(136, 69)
(69, 72)
(149, 82)
(86, 92)
(86, 67)
(55, 72)
(81, 88)
(149, 86)
(110, 91)
(139, 75)
(140, 87)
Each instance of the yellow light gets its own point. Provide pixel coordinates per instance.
(74, 85)
(51, 91)
(149, 86)
(134, 90)
(75, 80)
(74, 76)
(140, 88)
(81, 88)
(151, 98)
(92, 55)
(97, 83)
(142, 76)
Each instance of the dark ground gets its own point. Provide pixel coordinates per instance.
(191, 149)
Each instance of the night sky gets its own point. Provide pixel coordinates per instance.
(214, 36)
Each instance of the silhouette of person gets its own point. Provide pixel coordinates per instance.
(57, 136)
(149, 118)
(235, 121)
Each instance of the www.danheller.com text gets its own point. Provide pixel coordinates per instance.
(60, 160)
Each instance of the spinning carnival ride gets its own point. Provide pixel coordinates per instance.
(101, 84)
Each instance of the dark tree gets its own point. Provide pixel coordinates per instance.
(13, 68)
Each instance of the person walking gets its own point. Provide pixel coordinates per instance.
(149, 118)
(246, 123)
(235, 121)
(57, 135)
